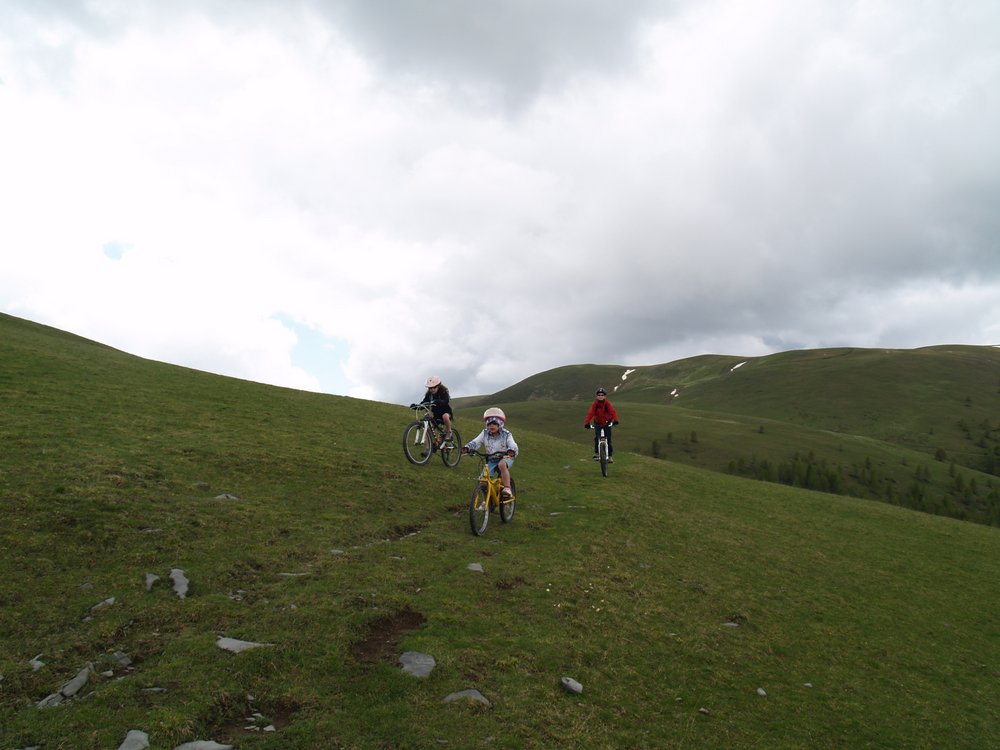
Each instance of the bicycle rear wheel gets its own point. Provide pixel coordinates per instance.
(479, 510)
(451, 450)
(507, 505)
(417, 443)
(603, 453)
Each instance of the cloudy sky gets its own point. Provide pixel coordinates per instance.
(347, 196)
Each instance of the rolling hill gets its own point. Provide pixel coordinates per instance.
(696, 609)
(918, 428)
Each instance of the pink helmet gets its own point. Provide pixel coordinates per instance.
(493, 414)
(432, 381)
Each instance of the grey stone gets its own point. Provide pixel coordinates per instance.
(135, 740)
(74, 686)
(761, 692)
(103, 605)
(472, 695)
(226, 496)
(571, 685)
(151, 578)
(122, 658)
(180, 582)
(36, 664)
(477, 567)
(68, 690)
(417, 664)
(236, 646)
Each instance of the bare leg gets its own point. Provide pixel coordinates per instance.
(504, 473)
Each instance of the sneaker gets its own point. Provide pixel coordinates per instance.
(447, 435)
(611, 459)
(505, 493)
(596, 457)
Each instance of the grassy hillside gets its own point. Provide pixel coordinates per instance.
(918, 428)
(697, 610)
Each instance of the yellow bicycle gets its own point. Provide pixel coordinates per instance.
(487, 496)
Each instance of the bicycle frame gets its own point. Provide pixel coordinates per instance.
(602, 449)
(428, 426)
(491, 487)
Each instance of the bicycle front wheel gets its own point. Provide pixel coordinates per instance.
(451, 450)
(507, 505)
(417, 443)
(479, 509)
(603, 453)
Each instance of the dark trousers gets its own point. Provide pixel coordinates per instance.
(607, 434)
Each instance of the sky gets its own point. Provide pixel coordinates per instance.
(347, 196)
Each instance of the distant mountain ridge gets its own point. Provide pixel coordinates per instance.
(940, 403)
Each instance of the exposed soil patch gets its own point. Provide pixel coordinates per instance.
(400, 531)
(384, 634)
(253, 719)
(506, 584)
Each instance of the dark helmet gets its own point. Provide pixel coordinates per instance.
(601, 392)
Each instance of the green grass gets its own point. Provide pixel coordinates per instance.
(343, 556)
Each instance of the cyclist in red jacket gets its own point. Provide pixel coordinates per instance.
(603, 414)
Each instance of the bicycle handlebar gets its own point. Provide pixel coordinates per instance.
(489, 456)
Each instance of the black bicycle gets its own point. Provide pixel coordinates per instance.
(602, 448)
(425, 435)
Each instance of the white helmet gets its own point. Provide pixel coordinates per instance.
(493, 414)
(432, 381)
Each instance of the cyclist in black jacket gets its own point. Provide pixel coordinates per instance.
(440, 402)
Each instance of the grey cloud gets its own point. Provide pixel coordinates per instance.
(818, 174)
(509, 50)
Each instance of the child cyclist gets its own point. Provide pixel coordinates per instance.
(496, 438)
(438, 398)
(603, 414)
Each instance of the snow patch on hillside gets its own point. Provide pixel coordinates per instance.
(736, 367)
(624, 377)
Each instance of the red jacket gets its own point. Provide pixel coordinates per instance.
(601, 412)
